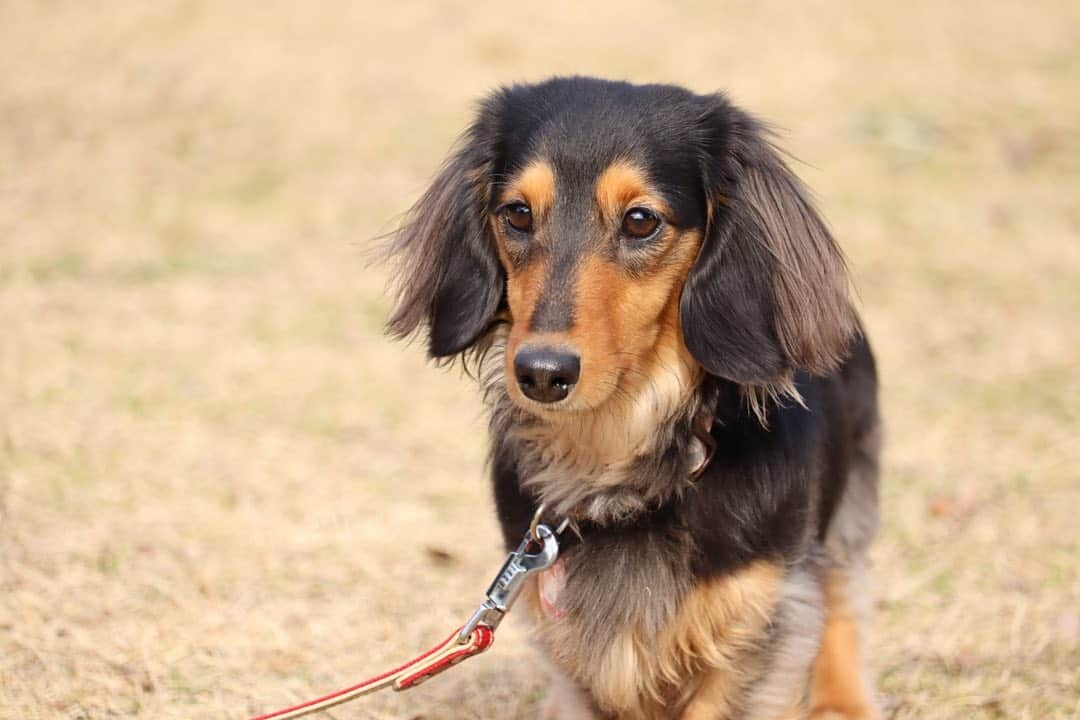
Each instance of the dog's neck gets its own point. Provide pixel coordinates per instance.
(609, 465)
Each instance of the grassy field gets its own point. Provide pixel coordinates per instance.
(222, 490)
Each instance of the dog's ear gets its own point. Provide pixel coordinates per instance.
(447, 275)
(768, 293)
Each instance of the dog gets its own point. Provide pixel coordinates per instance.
(663, 327)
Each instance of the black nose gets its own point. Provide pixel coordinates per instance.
(546, 375)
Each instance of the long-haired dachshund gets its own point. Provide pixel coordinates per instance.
(662, 324)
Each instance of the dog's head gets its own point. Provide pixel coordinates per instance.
(618, 229)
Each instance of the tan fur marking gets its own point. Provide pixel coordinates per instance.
(622, 320)
(717, 626)
(713, 699)
(523, 290)
(708, 648)
(623, 185)
(597, 328)
(535, 185)
(837, 687)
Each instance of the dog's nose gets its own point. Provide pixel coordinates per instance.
(546, 375)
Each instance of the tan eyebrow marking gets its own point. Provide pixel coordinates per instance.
(623, 184)
(535, 184)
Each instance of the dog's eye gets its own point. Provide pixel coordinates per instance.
(519, 215)
(639, 223)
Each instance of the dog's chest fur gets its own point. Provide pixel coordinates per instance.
(638, 631)
(636, 622)
(607, 467)
(675, 582)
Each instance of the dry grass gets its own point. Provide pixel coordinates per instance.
(222, 490)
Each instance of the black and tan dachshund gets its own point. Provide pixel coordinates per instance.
(662, 324)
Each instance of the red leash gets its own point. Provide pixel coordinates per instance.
(444, 655)
(473, 638)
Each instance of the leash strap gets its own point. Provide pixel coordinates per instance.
(441, 657)
(538, 551)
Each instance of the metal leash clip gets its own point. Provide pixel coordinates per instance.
(537, 551)
(510, 581)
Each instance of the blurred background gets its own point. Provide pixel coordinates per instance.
(222, 490)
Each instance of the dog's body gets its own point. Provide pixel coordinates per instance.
(662, 324)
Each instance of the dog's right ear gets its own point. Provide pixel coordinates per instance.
(447, 276)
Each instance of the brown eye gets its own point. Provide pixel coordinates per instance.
(639, 223)
(519, 216)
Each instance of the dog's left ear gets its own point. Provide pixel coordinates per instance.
(448, 278)
(768, 293)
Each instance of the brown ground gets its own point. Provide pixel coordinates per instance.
(221, 490)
